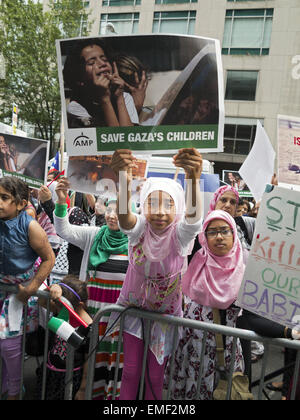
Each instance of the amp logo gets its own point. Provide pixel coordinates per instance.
(82, 141)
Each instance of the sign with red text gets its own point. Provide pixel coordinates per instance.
(271, 284)
(288, 133)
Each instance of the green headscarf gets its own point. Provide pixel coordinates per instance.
(107, 242)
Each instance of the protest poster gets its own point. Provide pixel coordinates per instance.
(271, 284)
(234, 179)
(288, 140)
(93, 174)
(147, 93)
(25, 158)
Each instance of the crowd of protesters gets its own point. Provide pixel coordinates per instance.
(161, 255)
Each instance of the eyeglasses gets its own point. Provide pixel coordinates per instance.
(214, 233)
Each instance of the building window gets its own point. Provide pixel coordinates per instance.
(247, 31)
(174, 22)
(174, 1)
(241, 85)
(122, 23)
(121, 2)
(239, 138)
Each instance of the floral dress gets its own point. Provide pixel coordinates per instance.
(187, 357)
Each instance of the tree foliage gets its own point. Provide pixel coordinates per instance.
(28, 31)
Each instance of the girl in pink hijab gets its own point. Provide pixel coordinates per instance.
(212, 280)
(159, 240)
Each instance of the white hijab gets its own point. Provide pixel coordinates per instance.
(156, 245)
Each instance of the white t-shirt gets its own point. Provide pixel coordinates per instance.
(78, 111)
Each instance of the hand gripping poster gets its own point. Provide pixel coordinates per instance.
(271, 284)
(147, 93)
(25, 158)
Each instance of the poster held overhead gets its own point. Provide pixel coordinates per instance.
(258, 168)
(147, 93)
(25, 158)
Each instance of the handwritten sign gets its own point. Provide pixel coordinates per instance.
(271, 284)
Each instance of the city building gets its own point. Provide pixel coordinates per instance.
(260, 43)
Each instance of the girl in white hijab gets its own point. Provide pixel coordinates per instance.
(159, 240)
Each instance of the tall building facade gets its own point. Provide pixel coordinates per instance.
(260, 43)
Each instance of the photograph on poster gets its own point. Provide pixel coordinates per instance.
(25, 158)
(137, 86)
(288, 133)
(93, 174)
(234, 179)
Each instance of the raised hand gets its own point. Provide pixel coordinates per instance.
(62, 189)
(116, 81)
(138, 91)
(44, 194)
(191, 161)
(122, 160)
(102, 84)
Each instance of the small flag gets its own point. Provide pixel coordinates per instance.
(64, 330)
(55, 163)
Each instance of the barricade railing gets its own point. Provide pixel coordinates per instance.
(13, 289)
(148, 316)
(177, 322)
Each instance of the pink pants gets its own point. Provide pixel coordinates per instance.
(132, 369)
(11, 354)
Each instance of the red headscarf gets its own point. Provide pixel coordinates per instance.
(218, 194)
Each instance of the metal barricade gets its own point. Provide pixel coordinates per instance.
(70, 351)
(188, 323)
(148, 317)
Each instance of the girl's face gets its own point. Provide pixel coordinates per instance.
(219, 237)
(160, 210)
(8, 207)
(227, 202)
(96, 62)
(241, 210)
(111, 216)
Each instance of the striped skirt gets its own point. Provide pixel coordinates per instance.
(104, 287)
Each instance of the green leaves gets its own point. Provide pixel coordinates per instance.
(28, 32)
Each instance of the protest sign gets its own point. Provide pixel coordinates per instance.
(288, 140)
(93, 174)
(271, 284)
(234, 179)
(147, 93)
(258, 168)
(25, 158)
